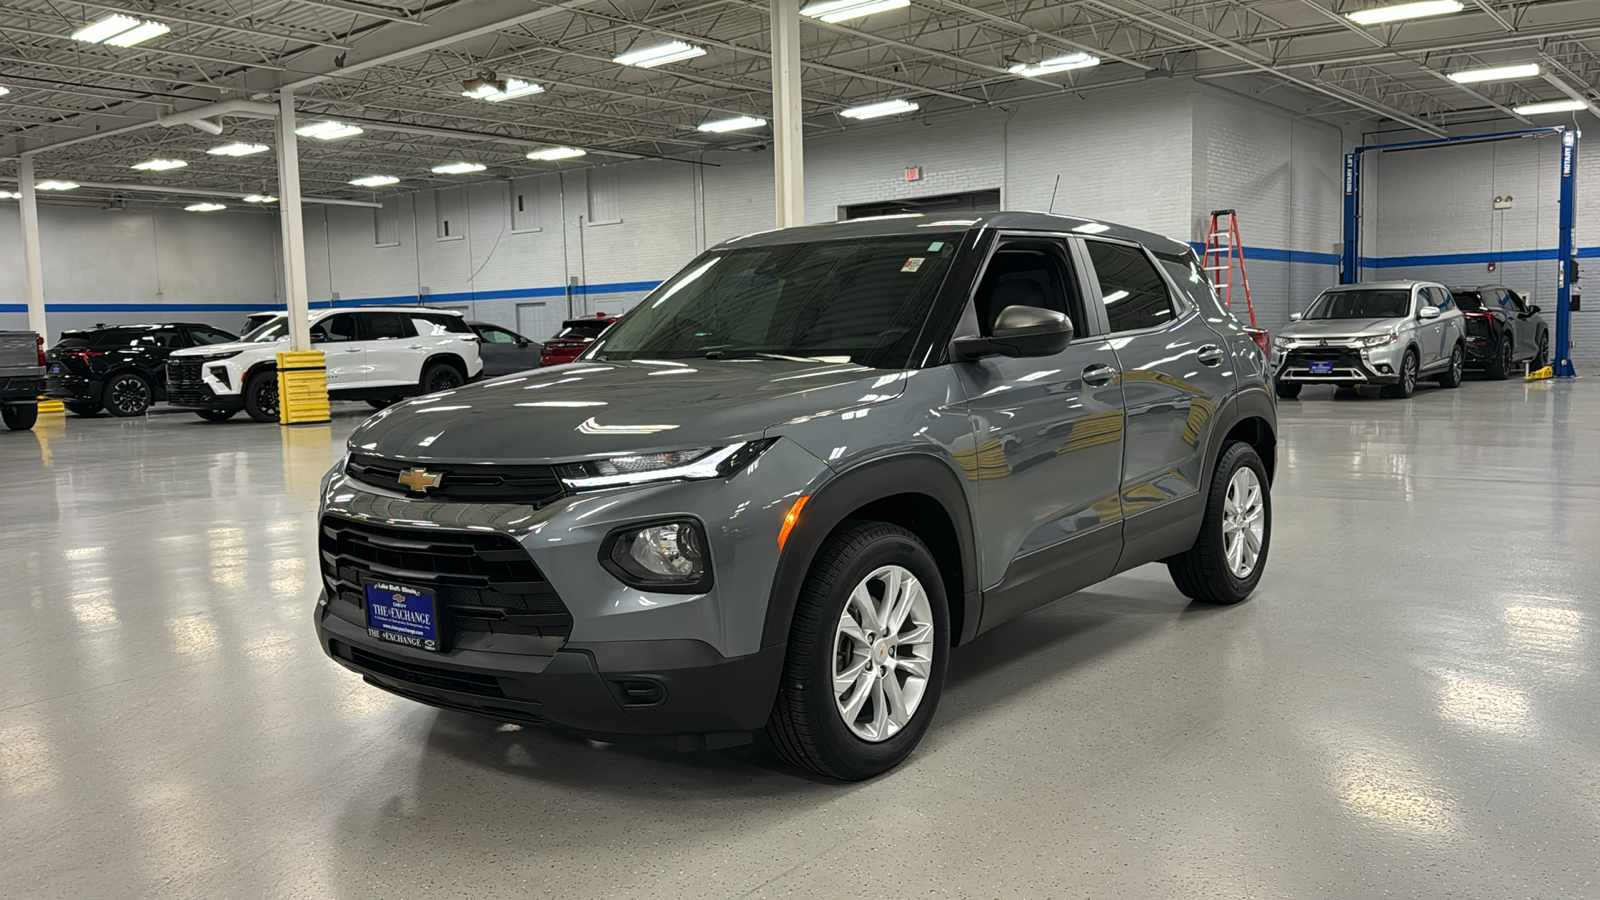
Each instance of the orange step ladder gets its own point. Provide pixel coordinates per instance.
(1224, 249)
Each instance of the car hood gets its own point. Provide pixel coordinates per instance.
(588, 409)
(229, 347)
(1328, 328)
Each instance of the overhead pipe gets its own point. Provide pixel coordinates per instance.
(201, 114)
(205, 192)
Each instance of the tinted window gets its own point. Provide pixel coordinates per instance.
(587, 330)
(1026, 273)
(1361, 304)
(1192, 282)
(1133, 291)
(1439, 297)
(862, 299)
(333, 329)
(492, 335)
(385, 325)
(1513, 302)
(435, 325)
(119, 337)
(210, 336)
(451, 324)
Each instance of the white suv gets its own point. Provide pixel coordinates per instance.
(376, 354)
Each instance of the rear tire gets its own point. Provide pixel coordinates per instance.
(1452, 376)
(1238, 515)
(1408, 378)
(440, 377)
(866, 576)
(127, 394)
(1289, 390)
(1500, 364)
(81, 409)
(261, 397)
(20, 418)
(216, 415)
(1541, 357)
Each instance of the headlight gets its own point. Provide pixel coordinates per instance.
(673, 465)
(1283, 343)
(1378, 340)
(664, 556)
(206, 358)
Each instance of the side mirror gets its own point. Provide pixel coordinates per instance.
(1533, 310)
(1428, 312)
(1021, 331)
(1295, 317)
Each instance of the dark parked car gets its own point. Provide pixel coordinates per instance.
(780, 490)
(1502, 330)
(21, 378)
(504, 351)
(574, 337)
(120, 368)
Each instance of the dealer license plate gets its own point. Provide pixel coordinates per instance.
(1322, 368)
(402, 615)
(55, 368)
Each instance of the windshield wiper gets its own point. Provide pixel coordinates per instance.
(757, 354)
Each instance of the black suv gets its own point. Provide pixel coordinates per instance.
(1502, 330)
(119, 368)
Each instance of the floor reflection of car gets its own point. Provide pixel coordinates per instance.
(1502, 330)
(120, 368)
(504, 351)
(781, 489)
(574, 337)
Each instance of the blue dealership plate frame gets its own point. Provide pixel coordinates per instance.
(1322, 368)
(404, 615)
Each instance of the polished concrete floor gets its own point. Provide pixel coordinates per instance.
(1407, 707)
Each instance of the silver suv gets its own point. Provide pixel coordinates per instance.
(776, 493)
(1390, 333)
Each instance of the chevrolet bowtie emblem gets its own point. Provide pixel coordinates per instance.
(420, 481)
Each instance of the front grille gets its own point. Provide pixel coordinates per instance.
(475, 575)
(1341, 357)
(478, 483)
(183, 374)
(421, 675)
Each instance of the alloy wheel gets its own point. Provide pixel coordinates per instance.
(1408, 371)
(1243, 522)
(443, 380)
(883, 653)
(1457, 364)
(130, 395)
(267, 396)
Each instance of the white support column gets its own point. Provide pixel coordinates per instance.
(32, 257)
(788, 165)
(289, 216)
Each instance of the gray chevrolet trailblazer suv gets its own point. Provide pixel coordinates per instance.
(780, 490)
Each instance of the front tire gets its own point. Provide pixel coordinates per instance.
(127, 395)
(79, 408)
(20, 418)
(1408, 378)
(867, 655)
(216, 415)
(1452, 376)
(261, 397)
(1288, 390)
(1230, 553)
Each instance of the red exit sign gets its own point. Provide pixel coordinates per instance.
(913, 173)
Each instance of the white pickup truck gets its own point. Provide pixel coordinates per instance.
(21, 378)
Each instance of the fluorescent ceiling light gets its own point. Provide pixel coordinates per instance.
(328, 131)
(139, 35)
(845, 10)
(4, 90)
(1400, 11)
(1057, 64)
(238, 149)
(515, 87)
(459, 168)
(10, 195)
(56, 186)
(1498, 73)
(738, 123)
(159, 165)
(374, 180)
(553, 153)
(261, 198)
(208, 206)
(670, 52)
(1092, 228)
(874, 110)
(105, 27)
(1553, 106)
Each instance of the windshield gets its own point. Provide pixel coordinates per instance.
(271, 330)
(1361, 304)
(1469, 301)
(863, 300)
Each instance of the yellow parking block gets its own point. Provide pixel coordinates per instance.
(302, 387)
(51, 406)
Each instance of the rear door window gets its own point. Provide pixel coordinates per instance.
(1134, 293)
(334, 329)
(384, 326)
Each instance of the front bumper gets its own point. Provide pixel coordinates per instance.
(682, 691)
(1350, 365)
(191, 385)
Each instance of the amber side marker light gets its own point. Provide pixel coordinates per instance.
(790, 519)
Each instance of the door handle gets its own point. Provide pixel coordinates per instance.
(415, 347)
(352, 350)
(1210, 355)
(1098, 375)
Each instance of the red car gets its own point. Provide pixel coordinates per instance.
(574, 336)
